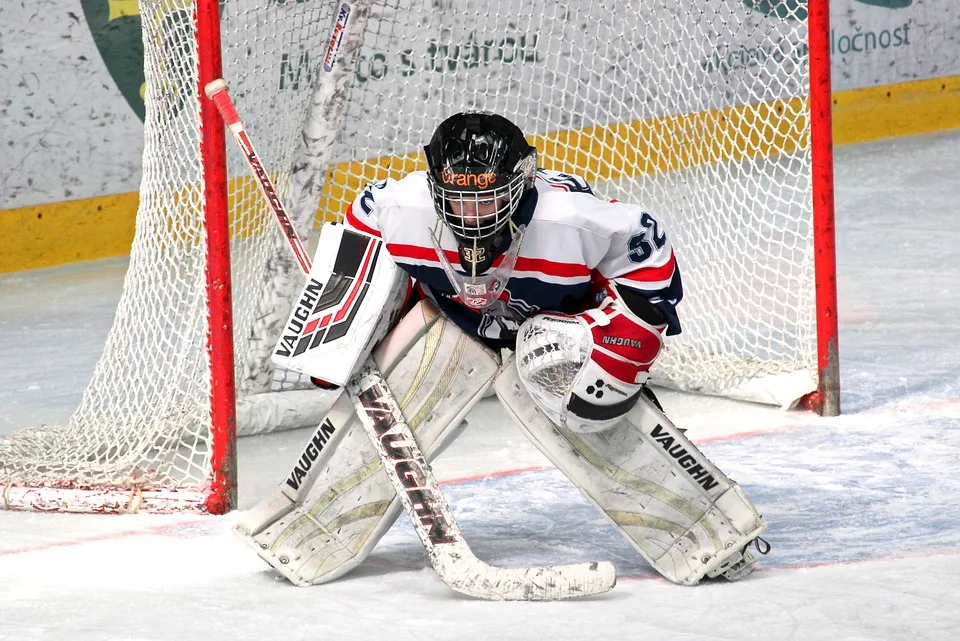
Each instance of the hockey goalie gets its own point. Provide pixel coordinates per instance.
(433, 278)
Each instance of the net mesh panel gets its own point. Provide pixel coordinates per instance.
(695, 110)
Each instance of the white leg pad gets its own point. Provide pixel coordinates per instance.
(684, 515)
(344, 502)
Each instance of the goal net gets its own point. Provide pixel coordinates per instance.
(697, 110)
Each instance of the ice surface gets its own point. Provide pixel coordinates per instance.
(863, 509)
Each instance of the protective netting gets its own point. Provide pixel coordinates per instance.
(695, 110)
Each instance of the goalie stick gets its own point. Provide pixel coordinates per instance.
(421, 496)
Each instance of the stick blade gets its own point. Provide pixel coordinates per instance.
(544, 583)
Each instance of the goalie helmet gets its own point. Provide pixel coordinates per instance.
(479, 167)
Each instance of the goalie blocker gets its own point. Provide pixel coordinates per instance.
(353, 296)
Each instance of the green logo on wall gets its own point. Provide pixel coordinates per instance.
(888, 4)
(797, 9)
(115, 26)
(116, 29)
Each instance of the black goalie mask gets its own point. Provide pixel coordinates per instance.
(479, 167)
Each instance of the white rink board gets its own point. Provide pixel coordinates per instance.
(70, 134)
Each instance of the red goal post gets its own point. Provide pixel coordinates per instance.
(825, 400)
(713, 113)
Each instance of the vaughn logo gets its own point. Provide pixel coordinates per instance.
(408, 468)
(311, 453)
(298, 320)
(685, 459)
(617, 340)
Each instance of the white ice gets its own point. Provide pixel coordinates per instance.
(863, 509)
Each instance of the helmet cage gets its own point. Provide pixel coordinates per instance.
(479, 168)
(482, 214)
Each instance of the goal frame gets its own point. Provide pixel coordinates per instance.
(218, 480)
(825, 400)
(223, 402)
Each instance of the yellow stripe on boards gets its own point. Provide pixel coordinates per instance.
(668, 143)
(58, 233)
(905, 109)
(618, 150)
(66, 232)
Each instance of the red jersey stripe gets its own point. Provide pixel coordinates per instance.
(354, 222)
(540, 265)
(652, 274)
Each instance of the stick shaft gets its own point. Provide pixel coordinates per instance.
(217, 92)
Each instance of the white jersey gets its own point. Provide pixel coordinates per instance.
(573, 241)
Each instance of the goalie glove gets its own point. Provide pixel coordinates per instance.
(587, 370)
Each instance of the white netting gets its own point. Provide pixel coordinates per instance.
(696, 110)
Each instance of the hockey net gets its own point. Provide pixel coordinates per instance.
(695, 109)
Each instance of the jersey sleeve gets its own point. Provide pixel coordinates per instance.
(363, 214)
(640, 257)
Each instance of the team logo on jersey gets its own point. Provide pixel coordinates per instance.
(502, 318)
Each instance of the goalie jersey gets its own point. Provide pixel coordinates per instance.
(573, 241)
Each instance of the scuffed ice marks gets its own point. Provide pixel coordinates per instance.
(866, 487)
